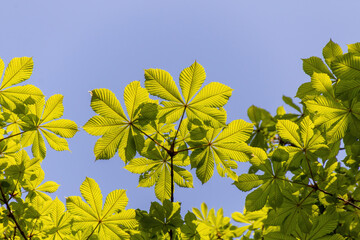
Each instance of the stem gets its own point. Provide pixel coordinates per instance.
(172, 153)
(303, 200)
(11, 215)
(172, 179)
(187, 149)
(177, 131)
(311, 173)
(11, 136)
(346, 202)
(93, 231)
(316, 188)
(156, 142)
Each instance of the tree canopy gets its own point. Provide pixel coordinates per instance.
(304, 164)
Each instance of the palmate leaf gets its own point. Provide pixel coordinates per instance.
(119, 133)
(211, 225)
(303, 139)
(203, 106)
(272, 186)
(160, 220)
(156, 172)
(221, 149)
(294, 213)
(41, 119)
(36, 189)
(333, 115)
(105, 221)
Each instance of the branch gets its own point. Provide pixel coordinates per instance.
(11, 215)
(183, 150)
(11, 136)
(93, 231)
(156, 142)
(316, 188)
(311, 173)
(346, 202)
(177, 131)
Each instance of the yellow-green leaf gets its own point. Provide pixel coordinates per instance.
(17, 71)
(160, 83)
(191, 80)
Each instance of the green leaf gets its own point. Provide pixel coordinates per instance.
(315, 64)
(160, 83)
(289, 131)
(205, 168)
(134, 96)
(98, 125)
(61, 220)
(210, 116)
(236, 131)
(62, 127)
(54, 108)
(347, 66)
(197, 133)
(354, 48)
(91, 192)
(55, 142)
(38, 147)
(246, 182)
(17, 71)
(49, 187)
(290, 102)
(331, 51)
(306, 91)
(191, 80)
(104, 221)
(27, 94)
(107, 145)
(115, 201)
(324, 224)
(163, 184)
(322, 83)
(213, 95)
(2, 67)
(105, 103)
(347, 89)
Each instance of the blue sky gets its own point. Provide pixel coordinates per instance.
(255, 47)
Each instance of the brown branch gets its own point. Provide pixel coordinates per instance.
(17, 134)
(183, 150)
(346, 202)
(156, 142)
(93, 231)
(311, 173)
(316, 188)
(11, 215)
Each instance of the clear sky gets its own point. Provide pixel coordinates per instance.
(255, 47)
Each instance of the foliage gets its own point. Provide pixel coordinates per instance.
(304, 165)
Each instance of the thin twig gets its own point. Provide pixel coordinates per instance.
(11, 136)
(156, 142)
(11, 215)
(187, 149)
(93, 231)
